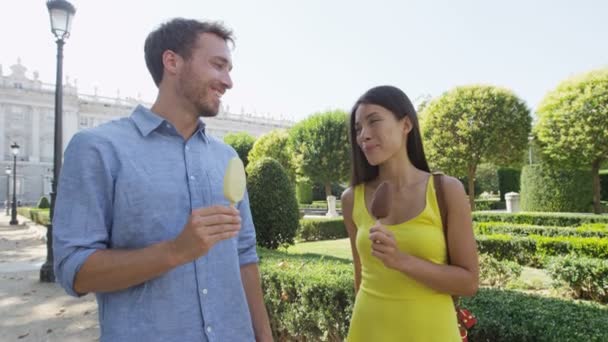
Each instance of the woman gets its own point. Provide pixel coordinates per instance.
(402, 279)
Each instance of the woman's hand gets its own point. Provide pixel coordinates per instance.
(384, 247)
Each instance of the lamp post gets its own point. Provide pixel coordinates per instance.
(530, 141)
(15, 150)
(61, 13)
(8, 172)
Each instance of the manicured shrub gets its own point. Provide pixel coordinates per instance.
(544, 188)
(587, 278)
(273, 203)
(322, 229)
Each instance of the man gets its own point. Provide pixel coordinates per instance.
(141, 219)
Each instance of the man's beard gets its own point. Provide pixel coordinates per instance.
(205, 111)
(192, 92)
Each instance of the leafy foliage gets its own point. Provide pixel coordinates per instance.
(322, 148)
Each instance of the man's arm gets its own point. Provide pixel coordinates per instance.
(113, 270)
(250, 277)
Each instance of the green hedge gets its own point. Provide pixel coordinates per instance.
(497, 273)
(322, 229)
(307, 296)
(587, 278)
(40, 216)
(488, 228)
(546, 189)
(508, 181)
(489, 204)
(513, 316)
(311, 298)
(534, 250)
(541, 219)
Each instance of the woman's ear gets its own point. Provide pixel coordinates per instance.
(407, 125)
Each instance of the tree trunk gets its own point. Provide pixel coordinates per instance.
(327, 190)
(471, 178)
(595, 172)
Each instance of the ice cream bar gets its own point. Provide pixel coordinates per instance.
(381, 201)
(234, 181)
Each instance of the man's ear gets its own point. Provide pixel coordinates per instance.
(172, 62)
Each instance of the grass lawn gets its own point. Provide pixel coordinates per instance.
(336, 248)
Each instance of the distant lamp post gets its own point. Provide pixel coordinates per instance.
(62, 14)
(15, 150)
(8, 172)
(530, 140)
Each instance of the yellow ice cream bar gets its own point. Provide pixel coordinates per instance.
(234, 181)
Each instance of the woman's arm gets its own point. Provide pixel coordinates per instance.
(351, 228)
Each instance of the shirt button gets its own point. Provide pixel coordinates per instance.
(187, 148)
(168, 126)
(208, 329)
(204, 291)
(192, 177)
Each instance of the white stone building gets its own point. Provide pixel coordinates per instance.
(27, 108)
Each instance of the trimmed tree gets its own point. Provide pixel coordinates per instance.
(275, 145)
(321, 146)
(274, 207)
(572, 127)
(242, 142)
(470, 125)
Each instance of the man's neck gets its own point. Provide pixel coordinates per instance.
(184, 119)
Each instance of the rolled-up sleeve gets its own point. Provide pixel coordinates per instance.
(247, 242)
(82, 216)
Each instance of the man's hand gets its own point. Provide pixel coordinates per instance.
(205, 228)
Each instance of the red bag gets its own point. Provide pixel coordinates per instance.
(465, 318)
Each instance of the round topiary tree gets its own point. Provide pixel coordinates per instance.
(544, 188)
(275, 145)
(43, 203)
(476, 124)
(572, 127)
(273, 203)
(242, 143)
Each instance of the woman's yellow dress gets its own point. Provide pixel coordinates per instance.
(391, 306)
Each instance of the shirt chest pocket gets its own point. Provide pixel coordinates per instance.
(215, 177)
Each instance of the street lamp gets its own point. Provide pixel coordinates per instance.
(61, 13)
(8, 172)
(15, 150)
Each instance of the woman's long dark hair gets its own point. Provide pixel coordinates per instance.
(395, 100)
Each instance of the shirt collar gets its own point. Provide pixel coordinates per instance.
(147, 121)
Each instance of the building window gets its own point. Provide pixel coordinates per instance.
(20, 186)
(86, 121)
(47, 185)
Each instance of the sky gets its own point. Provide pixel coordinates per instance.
(295, 58)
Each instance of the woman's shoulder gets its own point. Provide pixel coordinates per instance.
(452, 187)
